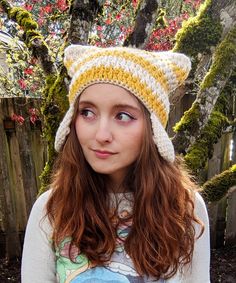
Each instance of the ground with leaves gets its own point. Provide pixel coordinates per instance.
(223, 267)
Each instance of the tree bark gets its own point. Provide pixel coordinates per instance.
(83, 14)
(145, 21)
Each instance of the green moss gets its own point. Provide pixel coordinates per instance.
(216, 188)
(32, 33)
(16, 12)
(24, 19)
(189, 120)
(202, 149)
(22, 15)
(198, 33)
(45, 177)
(224, 57)
(31, 37)
(29, 24)
(160, 20)
(54, 106)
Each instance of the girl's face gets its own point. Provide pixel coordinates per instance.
(109, 127)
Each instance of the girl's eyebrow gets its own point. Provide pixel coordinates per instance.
(85, 102)
(116, 106)
(127, 106)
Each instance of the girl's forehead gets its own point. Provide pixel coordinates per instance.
(108, 92)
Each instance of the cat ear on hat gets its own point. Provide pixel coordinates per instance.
(181, 66)
(176, 67)
(72, 53)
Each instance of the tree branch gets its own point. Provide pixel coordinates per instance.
(32, 36)
(217, 187)
(145, 21)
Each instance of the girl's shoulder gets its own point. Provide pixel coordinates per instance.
(38, 212)
(41, 201)
(200, 210)
(38, 216)
(200, 205)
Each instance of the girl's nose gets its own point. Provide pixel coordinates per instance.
(103, 133)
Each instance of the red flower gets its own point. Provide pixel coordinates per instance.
(22, 84)
(99, 28)
(118, 17)
(61, 5)
(28, 7)
(108, 21)
(18, 118)
(33, 119)
(34, 115)
(33, 111)
(28, 71)
(48, 9)
(134, 3)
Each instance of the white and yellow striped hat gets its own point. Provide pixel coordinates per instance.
(150, 76)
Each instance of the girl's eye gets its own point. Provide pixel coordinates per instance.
(124, 117)
(86, 113)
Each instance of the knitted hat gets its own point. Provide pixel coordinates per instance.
(150, 76)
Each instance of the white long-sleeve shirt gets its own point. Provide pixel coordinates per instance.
(40, 264)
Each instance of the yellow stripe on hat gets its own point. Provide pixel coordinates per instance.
(122, 78)
(68, 63)
(179, 72)
(156, 72)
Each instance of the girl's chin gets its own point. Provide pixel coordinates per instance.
(116, 174)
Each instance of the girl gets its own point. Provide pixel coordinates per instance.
(121, 207)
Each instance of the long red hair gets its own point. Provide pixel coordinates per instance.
(162, 236)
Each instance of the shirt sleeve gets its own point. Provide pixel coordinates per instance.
(199, 271)
(38, 258)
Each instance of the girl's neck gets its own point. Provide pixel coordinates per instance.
(115, 187)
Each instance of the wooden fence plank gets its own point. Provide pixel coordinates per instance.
(230, 234)
(22, 158)
(7, 199)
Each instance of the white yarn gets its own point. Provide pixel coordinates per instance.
(162, 140)
(64, 128)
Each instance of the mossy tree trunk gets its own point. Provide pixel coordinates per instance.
(210, 40)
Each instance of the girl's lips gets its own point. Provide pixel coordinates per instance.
(103, 154)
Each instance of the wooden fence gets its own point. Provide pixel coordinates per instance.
(222, 214)
(22, 158)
